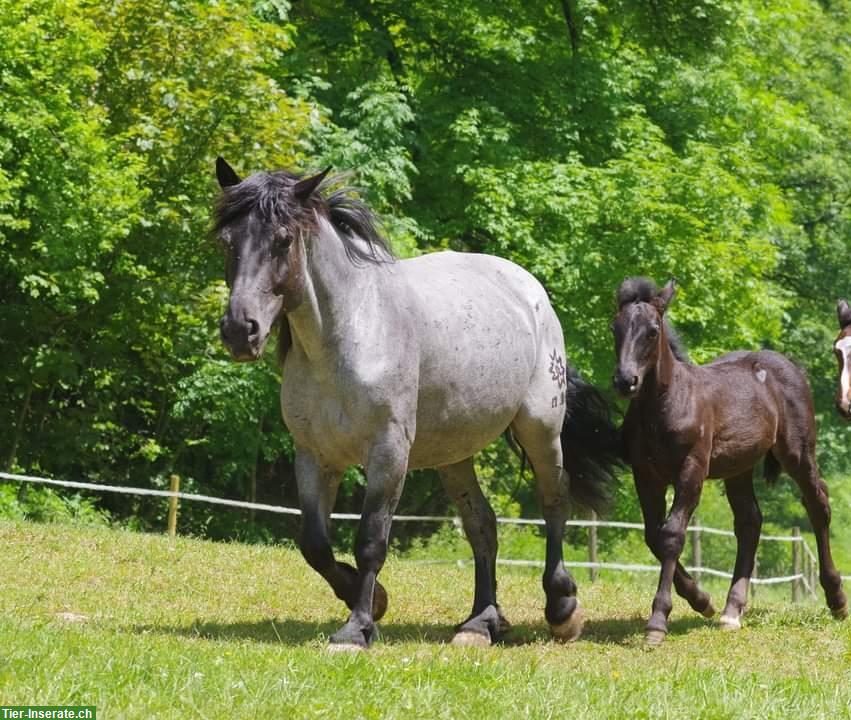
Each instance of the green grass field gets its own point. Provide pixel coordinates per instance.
(142, 627)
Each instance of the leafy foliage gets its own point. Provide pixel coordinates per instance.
(705, 140)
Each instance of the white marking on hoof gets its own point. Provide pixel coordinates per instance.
(728, 622)
(345, 648)
(72, 617)
(840, 613)
(654, 638)
(570, 629)
(465, 638)
(708, 611)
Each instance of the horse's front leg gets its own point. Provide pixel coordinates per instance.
(670, 541)
(317, 489)
(386, 466)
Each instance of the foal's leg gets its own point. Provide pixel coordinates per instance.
(486, 622)
(747, 522)
(317, 489)
(816, 502)
(386, 465)
(670, 542)
(651, 496)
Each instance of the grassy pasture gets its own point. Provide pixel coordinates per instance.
(142, 627)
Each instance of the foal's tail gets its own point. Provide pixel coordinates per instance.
(591, 444)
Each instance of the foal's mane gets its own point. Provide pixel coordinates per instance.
(270, 194)
(642, 289)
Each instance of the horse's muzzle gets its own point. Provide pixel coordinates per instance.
(241, 337)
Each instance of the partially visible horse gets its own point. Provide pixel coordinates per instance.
(401, 364)
(688, 422)
(842, 348)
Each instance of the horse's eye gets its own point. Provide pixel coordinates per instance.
(280, 242)
(653, 333)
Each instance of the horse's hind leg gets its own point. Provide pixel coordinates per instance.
(486, 622)
(543, 447)
(802, 467)
(747, 522)
(651, 497)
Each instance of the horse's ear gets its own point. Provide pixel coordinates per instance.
(665, 295)
(305, 188)
(843, 312)
(226, 174)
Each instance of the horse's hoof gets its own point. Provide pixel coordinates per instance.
(570, 629)
(466, 638)
(840, 613)
(379, 602)
(708, 611)
(654, 638)
(504, 625)
(345, 648)
(728, 622)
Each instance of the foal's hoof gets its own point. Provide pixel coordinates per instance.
(840, 613)
(708, 611)
(379, 602)
(730, 623)
(468, 638)
(570, 629)
(654, 638)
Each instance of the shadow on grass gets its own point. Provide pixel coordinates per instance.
(293, 632)
(611, 631)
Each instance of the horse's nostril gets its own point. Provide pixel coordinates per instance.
(253, 328)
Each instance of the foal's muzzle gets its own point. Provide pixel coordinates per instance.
(627, 383)
(843, 407)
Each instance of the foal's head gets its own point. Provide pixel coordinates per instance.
(639, 330)
(842, 348)
(260, 222)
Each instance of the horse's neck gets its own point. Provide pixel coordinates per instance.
(335, 290)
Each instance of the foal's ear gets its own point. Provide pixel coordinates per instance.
(305, 188)
(665, 295)
(843, 312)
(225, 174)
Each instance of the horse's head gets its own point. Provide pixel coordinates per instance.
(261, 222)
(638, 329)
(842, 348)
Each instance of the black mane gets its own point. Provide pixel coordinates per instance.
(642, 289)
(270, 194)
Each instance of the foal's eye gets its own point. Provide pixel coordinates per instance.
(653, 333)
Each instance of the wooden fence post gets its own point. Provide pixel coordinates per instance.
(696, 552)
(172, 506)
(796, 564)
(592, 547)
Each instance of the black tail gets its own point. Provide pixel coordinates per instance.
(771, 468)
(591, 444)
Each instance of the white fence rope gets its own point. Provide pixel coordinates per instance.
(280, 509)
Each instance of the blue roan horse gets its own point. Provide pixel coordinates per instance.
(399, 364)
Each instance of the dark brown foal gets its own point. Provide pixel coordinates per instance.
(687, 422)
(842, 348)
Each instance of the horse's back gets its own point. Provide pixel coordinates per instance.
(484, 327)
